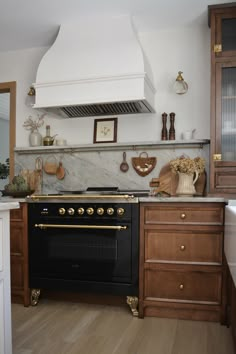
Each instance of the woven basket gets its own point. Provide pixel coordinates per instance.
(143, 164)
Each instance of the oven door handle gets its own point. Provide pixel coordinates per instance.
(98, 227)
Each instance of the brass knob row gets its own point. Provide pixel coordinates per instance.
(90, 211)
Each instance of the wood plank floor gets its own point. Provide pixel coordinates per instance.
(57, 327)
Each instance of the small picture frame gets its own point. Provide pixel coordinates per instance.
(105, 130)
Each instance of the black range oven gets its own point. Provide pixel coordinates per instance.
(84, 243)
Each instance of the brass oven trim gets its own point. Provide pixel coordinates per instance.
(80, 196)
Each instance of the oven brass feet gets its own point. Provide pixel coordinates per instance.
(35, 294)
(132, 301)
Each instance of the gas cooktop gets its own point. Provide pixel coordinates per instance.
(108, 191)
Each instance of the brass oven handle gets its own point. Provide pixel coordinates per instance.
(103, 227)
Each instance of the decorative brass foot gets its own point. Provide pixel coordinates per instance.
(35, 294)
(132, 301)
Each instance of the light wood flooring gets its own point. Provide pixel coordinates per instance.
(57, 327)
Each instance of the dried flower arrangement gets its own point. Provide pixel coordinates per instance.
(33, 125)
(187, 165)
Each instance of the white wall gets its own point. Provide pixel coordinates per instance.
(168, 52)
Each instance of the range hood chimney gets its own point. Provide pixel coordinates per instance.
(95, 67)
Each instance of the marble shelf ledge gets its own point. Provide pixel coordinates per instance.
(165, 144)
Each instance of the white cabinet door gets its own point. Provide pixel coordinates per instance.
(5, 294)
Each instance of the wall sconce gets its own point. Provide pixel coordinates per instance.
(30, 99)
(180, 86)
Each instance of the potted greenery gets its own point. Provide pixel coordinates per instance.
(4, 169)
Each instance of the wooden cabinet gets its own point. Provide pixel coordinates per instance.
(19, 255)
(222, 20)
(181, 247)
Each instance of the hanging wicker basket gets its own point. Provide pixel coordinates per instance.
(143, 164)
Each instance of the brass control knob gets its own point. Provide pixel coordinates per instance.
(100, 211)
(183, 216)
(71, 211)
(90, 211)
(182, 247)
(110, 211)
(62, 211)
(80, 211)
(120, 211)
(181, 286)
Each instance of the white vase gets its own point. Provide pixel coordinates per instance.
(186, 184)
(35, 138)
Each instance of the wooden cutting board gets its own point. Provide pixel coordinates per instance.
(168, 182)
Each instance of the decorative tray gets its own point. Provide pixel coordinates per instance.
(17, 194)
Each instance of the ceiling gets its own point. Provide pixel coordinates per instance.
(35, 23)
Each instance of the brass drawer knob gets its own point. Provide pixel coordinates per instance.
(183, 216)
(181, 286)
(182, 247)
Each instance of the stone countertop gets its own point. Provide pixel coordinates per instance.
(7, 205)
(156, 199)
(11, 199)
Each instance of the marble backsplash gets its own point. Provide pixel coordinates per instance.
(102, 168)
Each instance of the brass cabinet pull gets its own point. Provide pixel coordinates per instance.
(181, 286)
(182, 247)
(217, 157)
(183, 216)
(217, 48)
(98, 227)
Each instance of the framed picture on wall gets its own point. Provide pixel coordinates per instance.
(105, 130)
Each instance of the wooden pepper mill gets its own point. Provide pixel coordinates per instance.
(172, 128)
(164, 128)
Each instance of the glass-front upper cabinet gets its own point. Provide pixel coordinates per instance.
(226, 110)
(223, 20)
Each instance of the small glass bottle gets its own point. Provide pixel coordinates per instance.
(48, 140)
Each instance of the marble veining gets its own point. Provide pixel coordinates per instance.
(102, 168)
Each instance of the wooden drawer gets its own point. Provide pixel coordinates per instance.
(183, 285)
(181, 246)
(183, 213)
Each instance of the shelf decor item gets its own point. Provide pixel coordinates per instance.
(35, 138)
(105, 130)
(172, 126)
(188, 171)
(164, 133)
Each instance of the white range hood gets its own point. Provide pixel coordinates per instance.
(95, 67)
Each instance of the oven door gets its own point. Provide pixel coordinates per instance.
(100, 251)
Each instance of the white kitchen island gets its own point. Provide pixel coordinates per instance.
(5, 291)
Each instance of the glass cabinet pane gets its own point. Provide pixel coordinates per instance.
(228, 115)
(229, 34)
